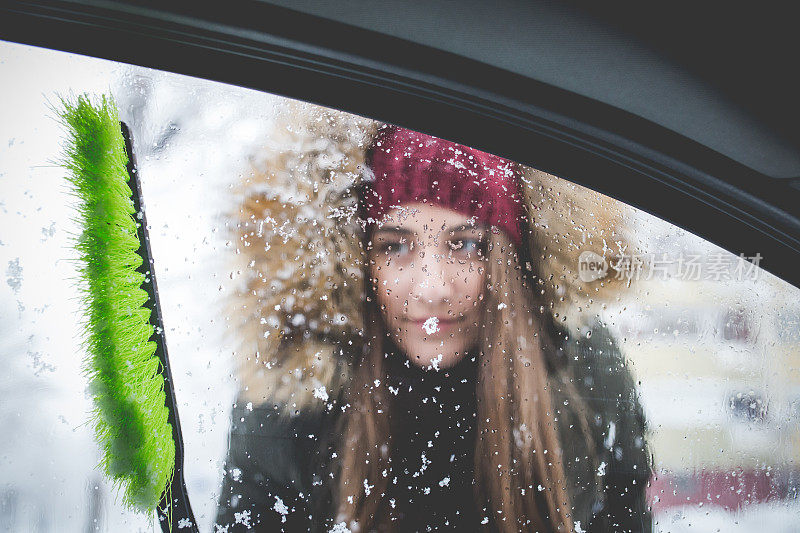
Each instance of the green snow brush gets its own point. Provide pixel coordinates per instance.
(135, 413)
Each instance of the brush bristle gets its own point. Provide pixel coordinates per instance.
(130, 414)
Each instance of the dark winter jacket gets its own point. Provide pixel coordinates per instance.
(280, 468)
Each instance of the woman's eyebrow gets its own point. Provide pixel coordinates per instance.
(465, 227)
(394, 229)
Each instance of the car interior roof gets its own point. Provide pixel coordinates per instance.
(564, 46)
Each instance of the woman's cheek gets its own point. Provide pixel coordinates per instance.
(470, 279)
(476, 288)
(401, 288)
(389, 289)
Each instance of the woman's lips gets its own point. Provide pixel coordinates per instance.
(433, 325)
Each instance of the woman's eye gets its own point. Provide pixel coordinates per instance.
(394, 247)
(467, 246)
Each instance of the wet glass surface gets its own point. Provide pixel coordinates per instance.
(326, 364)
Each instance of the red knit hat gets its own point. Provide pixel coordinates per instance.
(413, 167)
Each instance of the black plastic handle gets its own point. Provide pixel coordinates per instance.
(174, 501)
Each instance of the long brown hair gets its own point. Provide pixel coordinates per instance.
(518, 456)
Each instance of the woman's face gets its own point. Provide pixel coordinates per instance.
(427, 266)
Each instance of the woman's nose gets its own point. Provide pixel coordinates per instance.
(432, 284)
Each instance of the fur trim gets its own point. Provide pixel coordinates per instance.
(570, 219)
(299, 251)
(299, 256)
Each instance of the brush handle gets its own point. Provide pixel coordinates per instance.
(178, 504)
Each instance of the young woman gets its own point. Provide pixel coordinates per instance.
(457, 403)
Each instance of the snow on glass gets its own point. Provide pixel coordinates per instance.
(720, 399)
(431, 325)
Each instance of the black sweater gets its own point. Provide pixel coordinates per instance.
(432, 478)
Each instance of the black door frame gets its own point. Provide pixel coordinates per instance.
(261, 46)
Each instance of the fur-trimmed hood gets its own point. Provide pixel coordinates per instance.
(299, 256)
